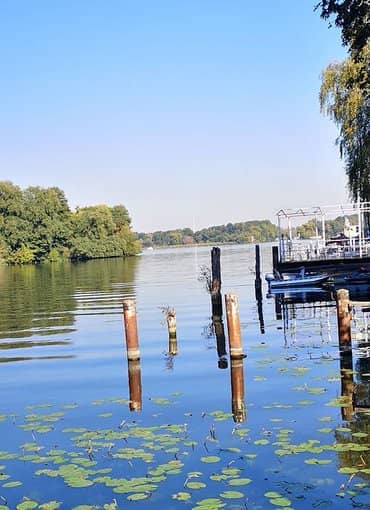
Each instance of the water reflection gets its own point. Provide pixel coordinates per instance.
(237, 390)
(44, 301)
(354, 365)
(134, 383)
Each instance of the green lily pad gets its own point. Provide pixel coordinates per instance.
(239, 481)
(27, 505)
(139, 496)
(282, 502)
(196, 485)
(181, 496)
(210, 459)
(232, 495)
(10, 485)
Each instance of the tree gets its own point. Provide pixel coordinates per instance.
(352, 17)
(345, 98)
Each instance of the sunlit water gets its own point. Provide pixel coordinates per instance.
(65, 392)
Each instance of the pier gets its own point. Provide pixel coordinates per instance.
(332, 239)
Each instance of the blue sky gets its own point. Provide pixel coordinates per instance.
(189, 113)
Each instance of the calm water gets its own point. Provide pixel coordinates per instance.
(69, 439)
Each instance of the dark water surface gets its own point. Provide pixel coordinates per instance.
(68, 439)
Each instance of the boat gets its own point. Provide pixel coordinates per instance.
(295, 281)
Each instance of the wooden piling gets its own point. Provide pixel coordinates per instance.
(237, 391)
(275, 257)
(233, 326)
(258, 282)
(344, 319)
(172, 335)
(216, 282)
(134, 382)
(132, 341)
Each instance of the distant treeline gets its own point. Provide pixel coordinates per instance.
(239, 233)
(245, 232)
(332, 227)
(36, 224)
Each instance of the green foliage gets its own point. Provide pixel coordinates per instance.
(245, 232)
(345, 98)
(352, 17)
(345, 91)
(36, 224)
(24, 255)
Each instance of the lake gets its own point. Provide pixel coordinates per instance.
(279, 429)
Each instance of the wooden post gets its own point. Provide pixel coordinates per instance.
(275, 257)
(134, 383)
(237, 390)
(172, 336)
(132, 341)
(344, 319)
(233, 326)
(216, 282)
(258, 282)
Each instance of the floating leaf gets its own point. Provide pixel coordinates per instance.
(139, 496)
(51, 505)
(210, 459)
(261, 442)
(283, 502)
(272, 494)
(181, 496)
(196, 485)
(10, 485)
(161, 401)
(239, 481)
(231, 495)
(318, 461)
(27, 505)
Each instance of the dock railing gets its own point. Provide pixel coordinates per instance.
(337, 232)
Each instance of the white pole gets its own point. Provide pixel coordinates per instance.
(359, 225)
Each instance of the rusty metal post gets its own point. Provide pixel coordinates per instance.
(134, 383)
(172, 335)
(233, 326)
(132, 341)
(216, 282)
(344, 319)
(237, 390)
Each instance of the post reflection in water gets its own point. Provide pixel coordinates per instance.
(347, 384)
(219, 330)
(237, 391)
(172, 334)
(134, 383)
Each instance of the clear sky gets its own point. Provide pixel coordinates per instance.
(190, 113)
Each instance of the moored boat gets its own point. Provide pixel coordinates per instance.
(296, 281)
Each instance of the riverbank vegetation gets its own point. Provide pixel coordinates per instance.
(236, 233)
(345, 91)
(36, 224)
